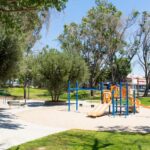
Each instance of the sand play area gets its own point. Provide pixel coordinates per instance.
(22, 124)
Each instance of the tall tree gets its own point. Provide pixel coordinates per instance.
(99, 39)
(144, 48)
(93, 37)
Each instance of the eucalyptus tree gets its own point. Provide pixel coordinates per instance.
(91, 37)
(144, 47)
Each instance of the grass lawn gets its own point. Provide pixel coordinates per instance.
(34, 93)
(89, 140)
(145, 101)
(42, 94)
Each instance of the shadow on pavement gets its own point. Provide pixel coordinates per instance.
(138, 129)
(46, 104)
(35, 104)
(7, 121)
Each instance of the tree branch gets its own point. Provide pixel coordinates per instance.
(141, 62)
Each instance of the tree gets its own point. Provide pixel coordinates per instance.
(56, 68)
(30, 5)
(122, 68)
(144, 47)
(10, 55)
(22, 21)
(91, 37)
(25, 18)
(27, 72)
(99, 39)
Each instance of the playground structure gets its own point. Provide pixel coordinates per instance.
(117, 98)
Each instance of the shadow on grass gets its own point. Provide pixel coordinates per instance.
(7, 121)
(85, 141)
(43, 94)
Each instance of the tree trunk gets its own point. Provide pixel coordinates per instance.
(147, 87)
(57, 97)
(112, 74)
(91, 86)
(52, 96)
(146, 91)
(28, 91)
(25, 93)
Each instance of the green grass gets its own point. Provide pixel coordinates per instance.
(145, 101)
(42, 94)
(33, 94)
(89, 140)
(82, 95)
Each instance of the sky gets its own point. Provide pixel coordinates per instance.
(74, 11)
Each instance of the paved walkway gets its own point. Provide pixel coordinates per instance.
(19, 125)
(59, 117)
(14, 131)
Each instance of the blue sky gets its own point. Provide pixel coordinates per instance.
(75, 10)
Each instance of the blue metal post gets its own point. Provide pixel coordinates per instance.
(120, 97)
(76, 95)
(113, 104)
(116, 106)
(134, 101)
(101, 84)
(109, 85)
(68, 95)
(127, 100)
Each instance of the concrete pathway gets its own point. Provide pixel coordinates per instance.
(59, 117)
(14, 131)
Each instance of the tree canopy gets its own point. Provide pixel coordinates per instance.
(56, 68)
(100, 39)
(20, 25)
(9, 55)
(30, 5)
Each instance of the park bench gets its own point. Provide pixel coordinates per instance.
(15, 103)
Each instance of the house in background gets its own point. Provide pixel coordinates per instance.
(13, 83)
(137, 83)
